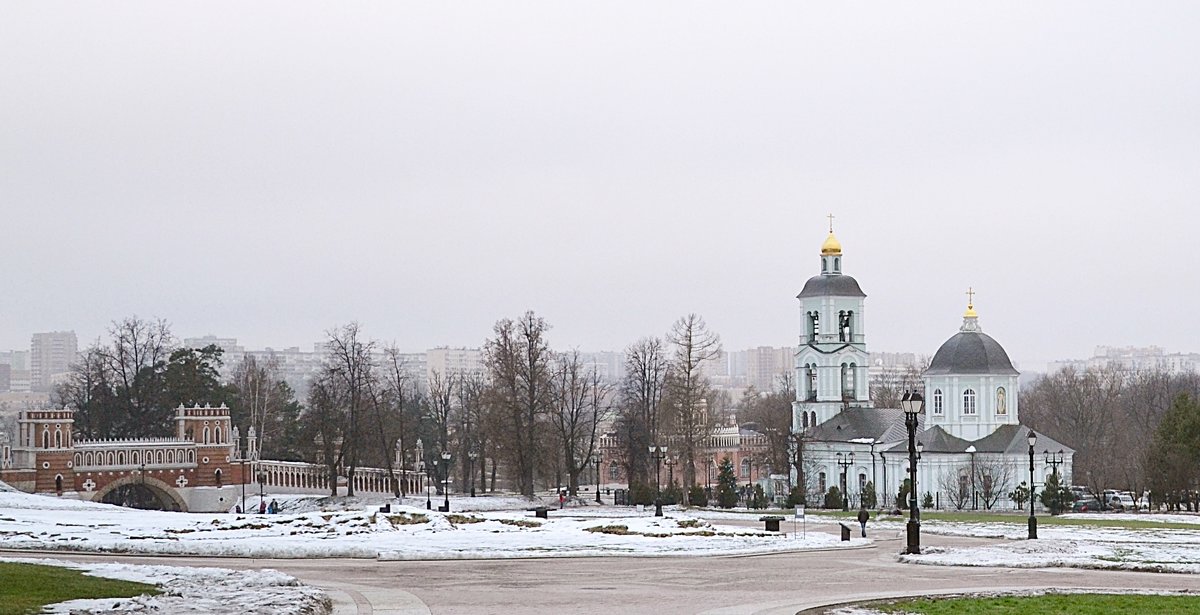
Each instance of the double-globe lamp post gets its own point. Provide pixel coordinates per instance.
(658, 453)
(845, 464)
(913, 404)
(1032, 519)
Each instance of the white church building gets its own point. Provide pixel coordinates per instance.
(974, 450)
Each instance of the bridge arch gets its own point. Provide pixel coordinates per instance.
(167, 495)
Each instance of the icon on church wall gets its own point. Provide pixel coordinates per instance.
(1001, 401)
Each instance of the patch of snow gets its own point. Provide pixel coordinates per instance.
(216, 591)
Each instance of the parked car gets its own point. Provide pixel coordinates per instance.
(1122, 502)
(1086, 505)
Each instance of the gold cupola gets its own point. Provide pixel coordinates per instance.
(831, 247)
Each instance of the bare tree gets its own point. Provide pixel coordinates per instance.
(399, 421)
(136, 361)
(955, 484)
(350, 364)
(325, 419)
(473, 425)
(578, 396)
(438, 415)
(688, 388)
(992, 479)
(518, 362)
(640, 405)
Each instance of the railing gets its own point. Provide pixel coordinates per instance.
(295, 476)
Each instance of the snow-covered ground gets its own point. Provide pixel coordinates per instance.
(214, 591)
(408, 532)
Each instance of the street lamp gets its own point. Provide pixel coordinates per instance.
(658, 453)
(1054, 460)
(262, 495)
(428, 501)
(1032, 519)
(471, 457)
(446, 480)
(670, 463)
(913, 405)
(974, 497)
(596, 460)
(844, 465)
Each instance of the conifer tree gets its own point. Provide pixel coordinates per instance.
(726, 484)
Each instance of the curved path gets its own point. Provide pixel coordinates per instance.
(762, 585)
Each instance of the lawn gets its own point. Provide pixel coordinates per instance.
(1047, 604)
(26, 588)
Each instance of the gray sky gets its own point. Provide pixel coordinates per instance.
(270, 170)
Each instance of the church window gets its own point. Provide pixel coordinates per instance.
(837, 264)
(805, 419)
(745, 468)
(812, 382)
(862, 482)
(813, 421)
(614, 471)
(814, 324)
(824, 266)
(937, 401)
(206, 434)
(969, 401)
(57, 439)
(1001, 401)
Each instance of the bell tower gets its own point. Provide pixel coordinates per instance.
(831, 362)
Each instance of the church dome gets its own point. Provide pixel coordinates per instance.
(971, 352)
(831, 247)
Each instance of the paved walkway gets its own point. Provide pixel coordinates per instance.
(759, 585)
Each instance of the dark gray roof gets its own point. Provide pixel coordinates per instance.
(934, 440)
(1013, 439)
(824, 285)
(971, 352)
(882, 424)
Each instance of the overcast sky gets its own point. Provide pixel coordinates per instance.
(267, 171)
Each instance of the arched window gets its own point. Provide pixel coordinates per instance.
(805, 419)
(824, 266)
(58, 484)
(969, 401)
(812, 382)
(1001, 402)
(862, 482)
(45, 438)
(814, 324)
(57, 438)
(135, 457)
(171, 456)
(821, 483)
(847, 382)
(191, 456)
(614, 471)
(813, 420)
(121, 458)
(745, 468)
(837, 264)
(206, 435)
(217, 475)
(938, 408)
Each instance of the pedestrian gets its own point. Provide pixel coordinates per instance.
(863, 516)
(274, 508)
(239, 509)
(262, 507)
(562, 499)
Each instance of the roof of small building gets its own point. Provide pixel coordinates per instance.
(935, 440)
(1013, 439)
(825, 285)
(879, 424)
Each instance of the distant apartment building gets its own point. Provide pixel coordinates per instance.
(5, 377)
(447, 362)
(896, 369)
(1132, 358)
(50, 357)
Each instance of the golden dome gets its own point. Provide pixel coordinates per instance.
(831, 247)
(970, 313)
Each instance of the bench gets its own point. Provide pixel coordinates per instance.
(772, 522)
(541, 512)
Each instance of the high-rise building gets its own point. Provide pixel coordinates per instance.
(51, 354)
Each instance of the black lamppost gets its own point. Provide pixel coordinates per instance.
(913, 405)
(1032, 519)
(845, 464)
(596, 459)
(658, 453)
(262, 495)
(446, 480)
(428, 501)
(974, 497)
(471, 457)
(243, 481)
(670, 463)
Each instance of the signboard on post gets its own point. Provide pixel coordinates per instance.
(799, 517)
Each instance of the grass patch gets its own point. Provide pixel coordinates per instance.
(690, 523)
(1046, 604)
(406, 519)
(616, 530)
(520, 522)
(26, 588)
(463, 519)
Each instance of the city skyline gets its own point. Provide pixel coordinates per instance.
(610, 174)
